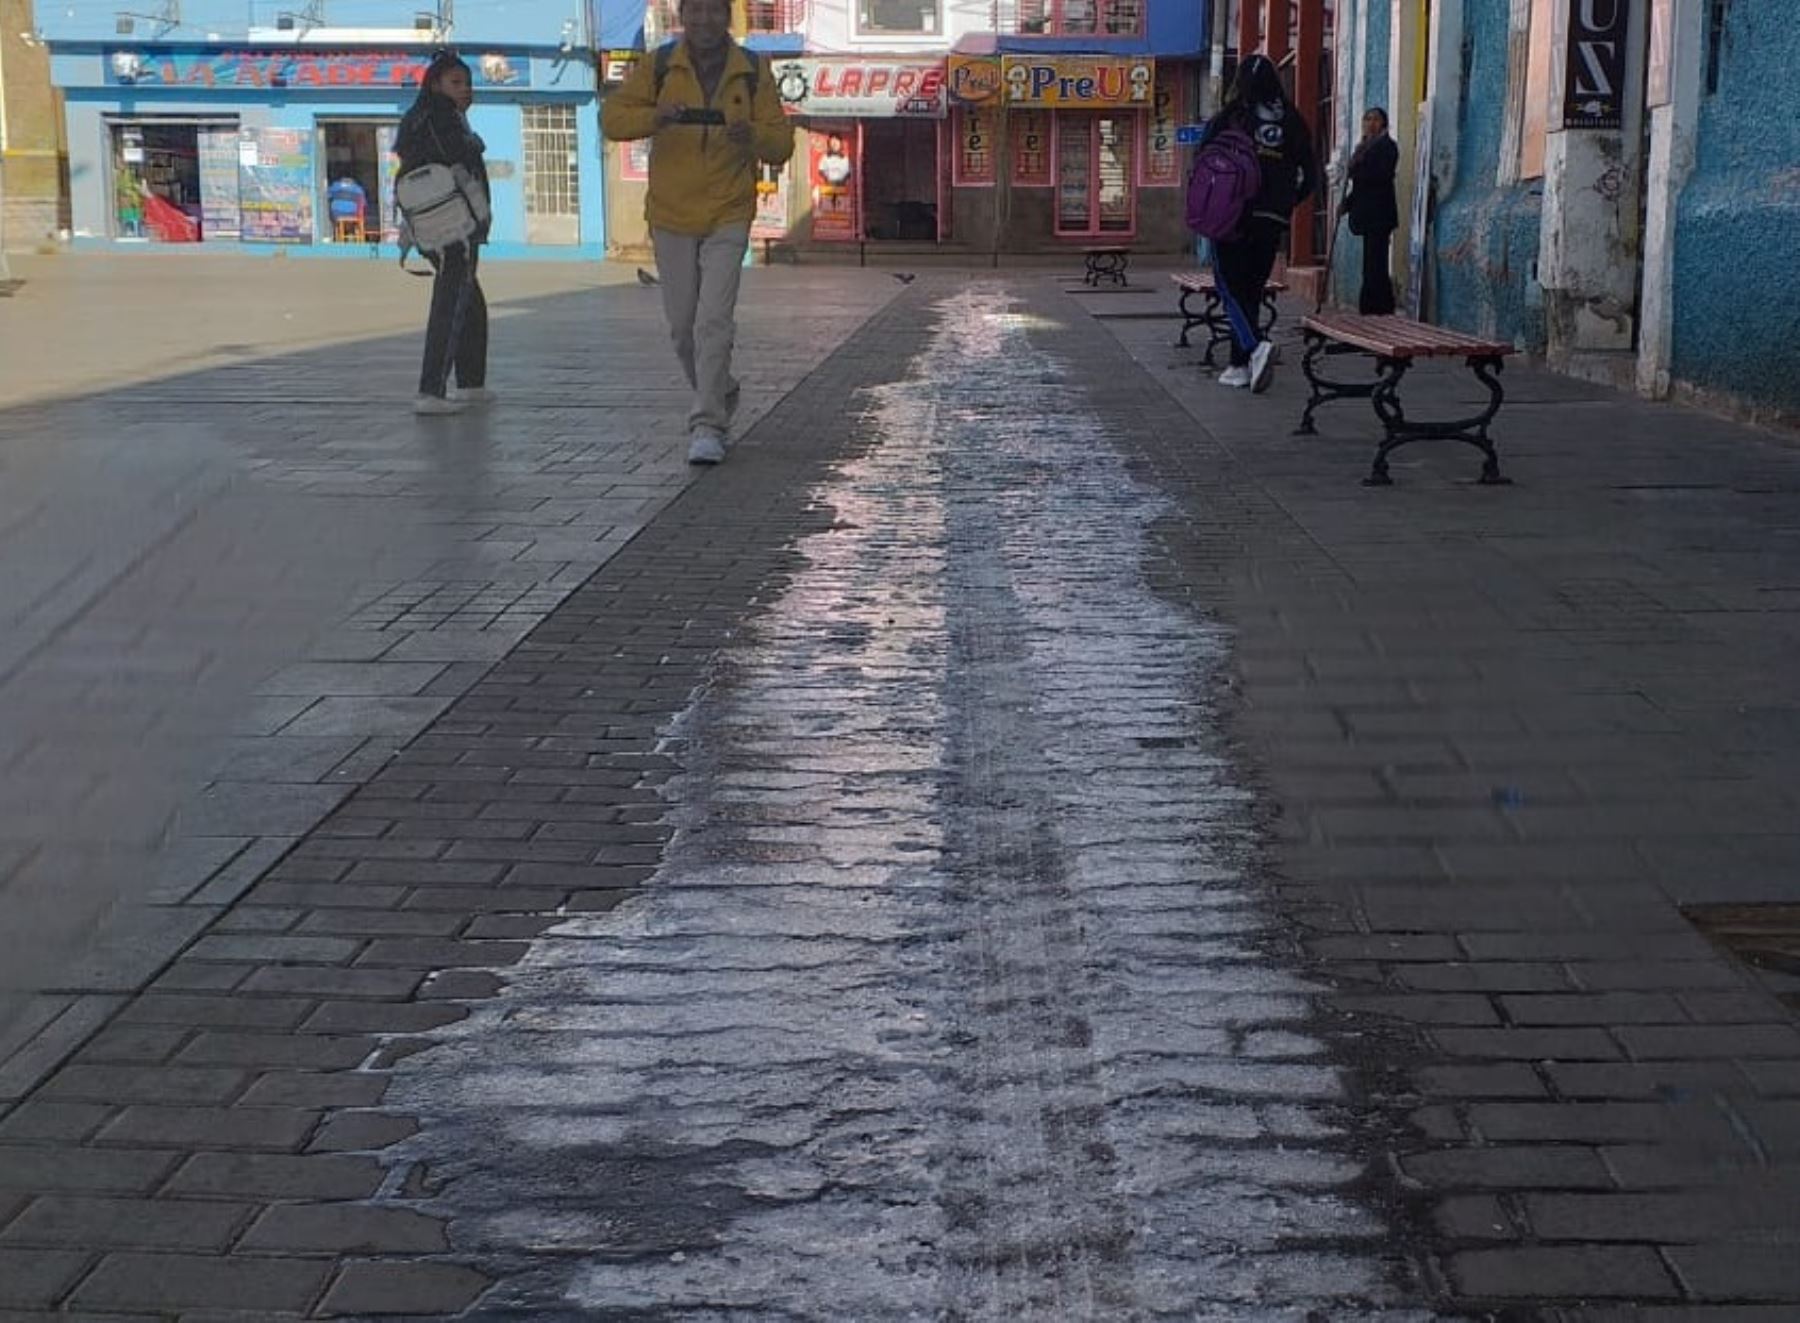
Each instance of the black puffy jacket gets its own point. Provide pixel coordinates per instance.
(1259, 107)
(435, 132)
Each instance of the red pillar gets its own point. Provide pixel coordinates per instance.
(1249, 33)
(1275, 30)
(1309, 55)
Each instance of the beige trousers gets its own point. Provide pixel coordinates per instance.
(700, 275)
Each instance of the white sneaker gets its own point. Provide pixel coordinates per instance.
(432, 405)
(476, 395)
(1235, 377)
(705, 446)
(1262, 367)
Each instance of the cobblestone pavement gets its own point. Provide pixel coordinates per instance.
(238, 574)
(1021, 838)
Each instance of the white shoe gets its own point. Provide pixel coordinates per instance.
(1262, 367)
(705, 446)
(476, 395)
(427, 406)
(1235, 377)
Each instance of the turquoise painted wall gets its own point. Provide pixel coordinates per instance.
(1484, 264)
(1737, 328)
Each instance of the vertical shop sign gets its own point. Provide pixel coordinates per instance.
(275, 185)
(219, 182)
(1594, 73)
(1162, 156)
(634, 160)
(976, 130)
(771, 220)
(833, 168)
(1031, 149)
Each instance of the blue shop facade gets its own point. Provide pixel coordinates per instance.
(275, 140)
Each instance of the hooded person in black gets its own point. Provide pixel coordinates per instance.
(1258, 106)
(435, 131)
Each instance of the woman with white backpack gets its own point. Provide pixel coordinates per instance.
(442, 190)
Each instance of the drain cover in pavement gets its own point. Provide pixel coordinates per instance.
(1765, 937)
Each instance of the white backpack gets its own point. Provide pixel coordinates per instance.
(444, 205)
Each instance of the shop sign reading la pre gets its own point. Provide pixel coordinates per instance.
(1078, 82)
(298, 69)
(861, 89)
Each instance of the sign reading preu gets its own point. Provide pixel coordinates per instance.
(298, 69)
(1594, 78)
(1078, 81)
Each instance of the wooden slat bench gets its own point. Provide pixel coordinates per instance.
(1211, 313)
(1396, 343)
(1106, 264)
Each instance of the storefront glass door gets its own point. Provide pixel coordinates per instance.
(156, 181)
(1096, 190)
(900, 179)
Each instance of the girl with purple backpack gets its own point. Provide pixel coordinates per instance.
(1257, 118)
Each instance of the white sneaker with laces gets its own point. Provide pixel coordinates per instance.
(1235, 377)
(476, 395)
(427, 406)
(1262, 367)
(705, 446)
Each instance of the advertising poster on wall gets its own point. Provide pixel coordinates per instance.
(390, 171)
(219, 182)
(832, 154)
(1031, 149)
(1162, 154)
(634, 161)
(771, 219)
(275, 185)
(977, 130)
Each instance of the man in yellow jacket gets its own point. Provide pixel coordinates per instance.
(713, 113)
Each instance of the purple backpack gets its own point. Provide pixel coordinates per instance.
(1225, 180)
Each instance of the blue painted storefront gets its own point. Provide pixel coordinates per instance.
(1736, 326)
(544, 42)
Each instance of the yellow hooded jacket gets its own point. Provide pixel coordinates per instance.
(698, 179)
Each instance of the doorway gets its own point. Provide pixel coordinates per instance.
(356, 180)
(156, 182)
(900, 169)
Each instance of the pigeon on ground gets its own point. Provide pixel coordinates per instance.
(645, 278)
(904, 277)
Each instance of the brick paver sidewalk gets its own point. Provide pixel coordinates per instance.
(1569, 1095)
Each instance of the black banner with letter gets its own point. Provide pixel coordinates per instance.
(1594, 86)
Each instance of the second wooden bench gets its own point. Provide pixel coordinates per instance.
(1211, 312)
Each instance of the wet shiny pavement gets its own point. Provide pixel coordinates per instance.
(952, 997)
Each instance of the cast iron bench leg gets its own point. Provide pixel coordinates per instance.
(1472, 431)
(1324, 389)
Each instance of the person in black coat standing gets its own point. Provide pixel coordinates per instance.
(436, 132)
(1373, 210)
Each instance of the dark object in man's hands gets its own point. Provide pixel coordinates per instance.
(704, 115)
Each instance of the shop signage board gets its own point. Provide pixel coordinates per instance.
(974, 80)
(1161, 166)
(1031, 149)
(977, 137)
(1078, 82)
(275, 193)
(1594, 74)
(333, 70)
(1189, 135)
(862, 88)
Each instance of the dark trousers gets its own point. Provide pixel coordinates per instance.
(1241, 268)
(456, 333)
(1377, 297)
